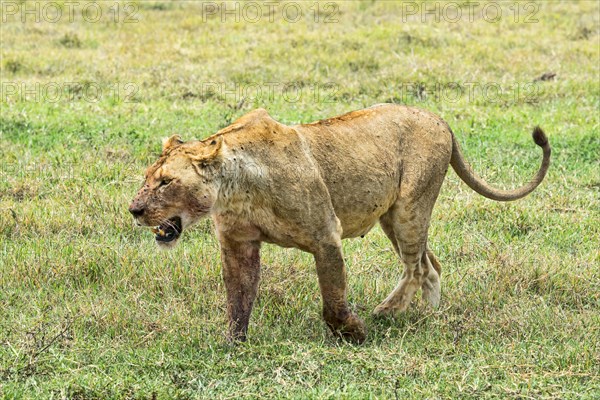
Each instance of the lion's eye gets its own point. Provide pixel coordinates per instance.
(165, 182)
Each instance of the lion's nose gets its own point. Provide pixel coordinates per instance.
(136, 209)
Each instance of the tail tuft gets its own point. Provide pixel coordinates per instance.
(539, 137)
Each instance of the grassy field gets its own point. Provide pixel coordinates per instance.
(90, 309)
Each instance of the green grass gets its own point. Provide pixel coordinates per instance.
(89, 308)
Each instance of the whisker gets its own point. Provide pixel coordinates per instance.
(170, 224)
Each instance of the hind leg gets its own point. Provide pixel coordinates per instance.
(407, 223)
(431, 285)
(387, 225)
(430, 267)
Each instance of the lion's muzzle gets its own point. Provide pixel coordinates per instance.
(136, 209)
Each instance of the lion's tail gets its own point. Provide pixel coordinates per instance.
(475, 182)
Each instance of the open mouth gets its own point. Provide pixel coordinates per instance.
(168, 231)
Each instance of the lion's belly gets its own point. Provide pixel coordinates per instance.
(359, 204)
(362, 180)
(352, 230)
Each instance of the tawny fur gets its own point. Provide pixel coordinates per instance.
(310, 186)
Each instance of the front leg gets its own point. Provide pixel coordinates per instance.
(241, 274)
(332, 281)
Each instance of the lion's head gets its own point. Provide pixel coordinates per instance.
(179, 188)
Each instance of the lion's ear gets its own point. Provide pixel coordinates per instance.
(173, 141)
(214, 149)
(215, 144)
(210, 152)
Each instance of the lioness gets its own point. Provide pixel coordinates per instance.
(310, 186)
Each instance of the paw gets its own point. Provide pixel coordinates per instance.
(388, 309)
(349, 327)
(384, 310)
(234, 338)
(353, 329)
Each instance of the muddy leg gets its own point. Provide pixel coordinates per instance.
(332, 281)
(241, 274)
